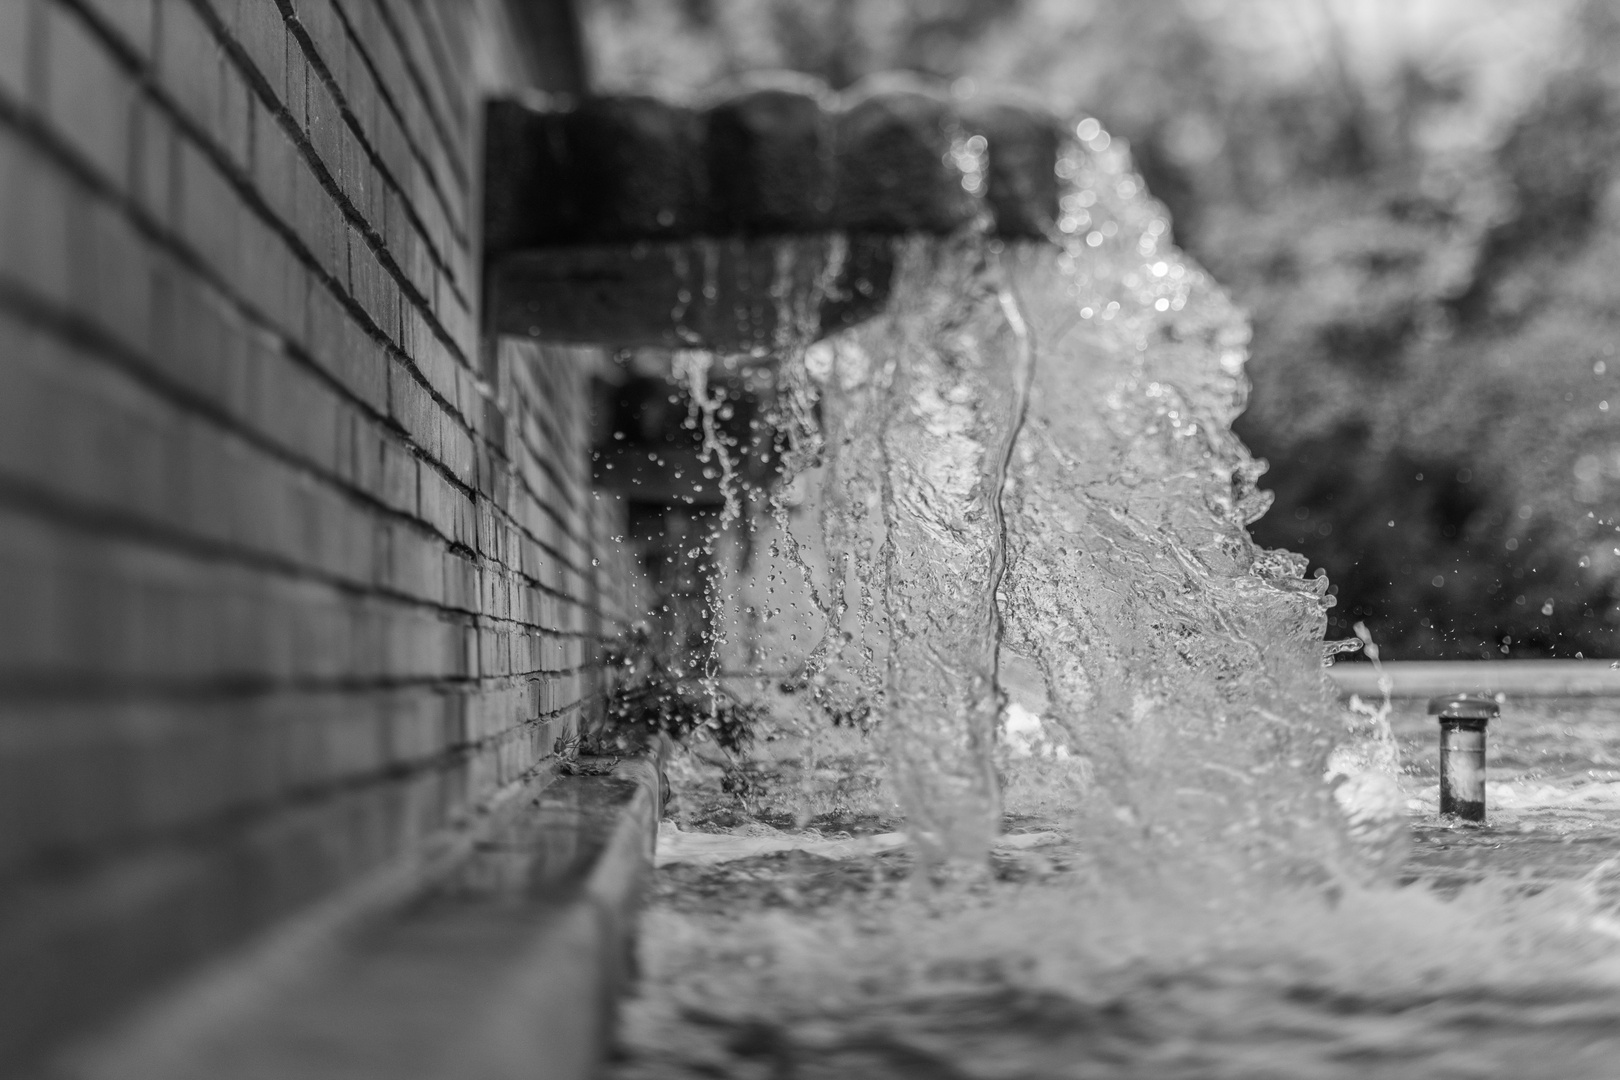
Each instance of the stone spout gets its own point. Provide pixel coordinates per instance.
(635, 221)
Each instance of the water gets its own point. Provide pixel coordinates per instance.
(1493, 954)
(1553, 791)
(1029, 495)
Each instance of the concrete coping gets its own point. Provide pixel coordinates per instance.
(508, 965)
(1515, 678)
(775, 154)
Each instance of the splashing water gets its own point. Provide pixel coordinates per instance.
(1183, 661)
(925, 403)
(1026, 462)
(1038, 435)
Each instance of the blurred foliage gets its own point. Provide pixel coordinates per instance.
(649, 696)
(1419, 202)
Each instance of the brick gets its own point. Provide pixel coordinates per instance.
(383, 49)
(324, 330)
(363, 270)
(364, 366)
(347, 548)
(359, 88)
(411, 408)
(326, 126)
(34, 245)
(87, 97)
(458, 452)
(195, 334)
(356, 175)
(368, 456)
(320, 21)
(275, 168)
(209, 212)
(189, 62)
(233, 122)
(298, 76)
(295, 408)
(469, 401)
(293, 323)
(259, 278)
(329, 744)
(131, 21)
(388, 300)
(16, 50)
(318, 222)
(113, 286)
(262, 34)
(420, 268)
(398, 477)
(393, 225)
(460, 583)
(151, 179)
(416, 568)
(440, 505)
(414, 728)
(83, 432)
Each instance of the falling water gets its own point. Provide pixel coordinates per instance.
(923, 404)
(1038, 437)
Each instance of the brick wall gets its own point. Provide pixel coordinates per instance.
(296, 572)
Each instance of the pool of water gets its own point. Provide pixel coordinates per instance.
(1492, 952)
(1553, 789)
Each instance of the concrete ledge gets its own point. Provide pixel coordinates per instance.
(782, 155)
(507, 966)
(1517, 678)
(735, 295)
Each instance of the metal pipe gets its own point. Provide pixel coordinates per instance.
(1463, 718)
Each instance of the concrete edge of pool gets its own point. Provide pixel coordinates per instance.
(505, 956)
(1516, 678)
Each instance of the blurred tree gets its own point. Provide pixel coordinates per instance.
(1418, 200)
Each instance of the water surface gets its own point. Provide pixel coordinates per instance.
(1496, 958)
